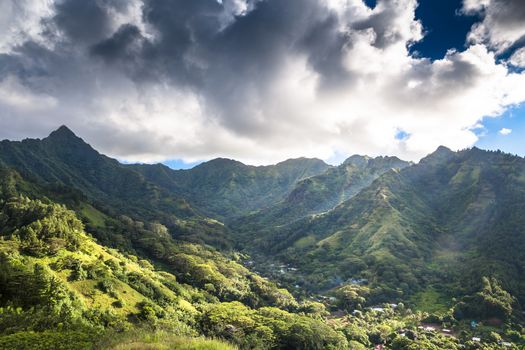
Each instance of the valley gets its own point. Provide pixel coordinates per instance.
(372, 253)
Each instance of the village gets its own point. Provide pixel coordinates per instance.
(287, 275)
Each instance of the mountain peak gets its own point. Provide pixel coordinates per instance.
(441, 153)
(443, 149)
(220, 163)
(64, 140)
(63, 132)
(303, 161)
(357, 160)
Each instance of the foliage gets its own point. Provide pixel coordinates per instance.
(42, 229)
(268, 328)
(135, 255)
(48, 340)
(492, 301)
(146, 339)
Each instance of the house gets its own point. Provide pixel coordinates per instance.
(358, 281)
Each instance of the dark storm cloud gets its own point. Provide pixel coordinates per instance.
(123, 45)
(227, 57)
(182, 22)
(182, 28)
(325, 45)
(250, 54)
(33, 64)
(200, 37)
(83, 21)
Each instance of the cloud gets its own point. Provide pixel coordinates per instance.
(518, 58)
(20, 20)
(505, 131)
(18, 96)
(503, 24)
(256, 80)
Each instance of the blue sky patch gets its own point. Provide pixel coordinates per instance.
(445, 27)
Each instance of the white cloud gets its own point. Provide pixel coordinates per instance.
(262, 114)
(17, 96)
(470, 6)
(21, 20)
(518, 58)
(505, 131)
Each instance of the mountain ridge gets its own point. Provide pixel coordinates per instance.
(402, 224)
(88, 244)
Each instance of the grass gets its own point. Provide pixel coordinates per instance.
(48, 340)
(94, 298)
(466, 175)
(78, 340)
(431, 301)
(305, 242)
(144, 340)
(95, 217)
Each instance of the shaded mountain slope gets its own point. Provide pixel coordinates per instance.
(226, 188)
(64, 161)
(322, 192)
(453, 217)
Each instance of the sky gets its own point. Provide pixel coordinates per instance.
(260, 81)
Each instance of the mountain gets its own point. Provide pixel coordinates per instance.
(320, 193)
(448, 220)
(188, 202)
(226, 189)
(63, 162)
(61, 289)
(64, 159)
(95, 254)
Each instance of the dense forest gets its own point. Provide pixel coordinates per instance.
(95, 254)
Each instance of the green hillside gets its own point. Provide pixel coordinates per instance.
(95, 254)
(57, 284)
(63, 162)
(450, 219)
(226, 189)
(319, 193)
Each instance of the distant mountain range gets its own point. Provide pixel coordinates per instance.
(449, 219)
(91, 247)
